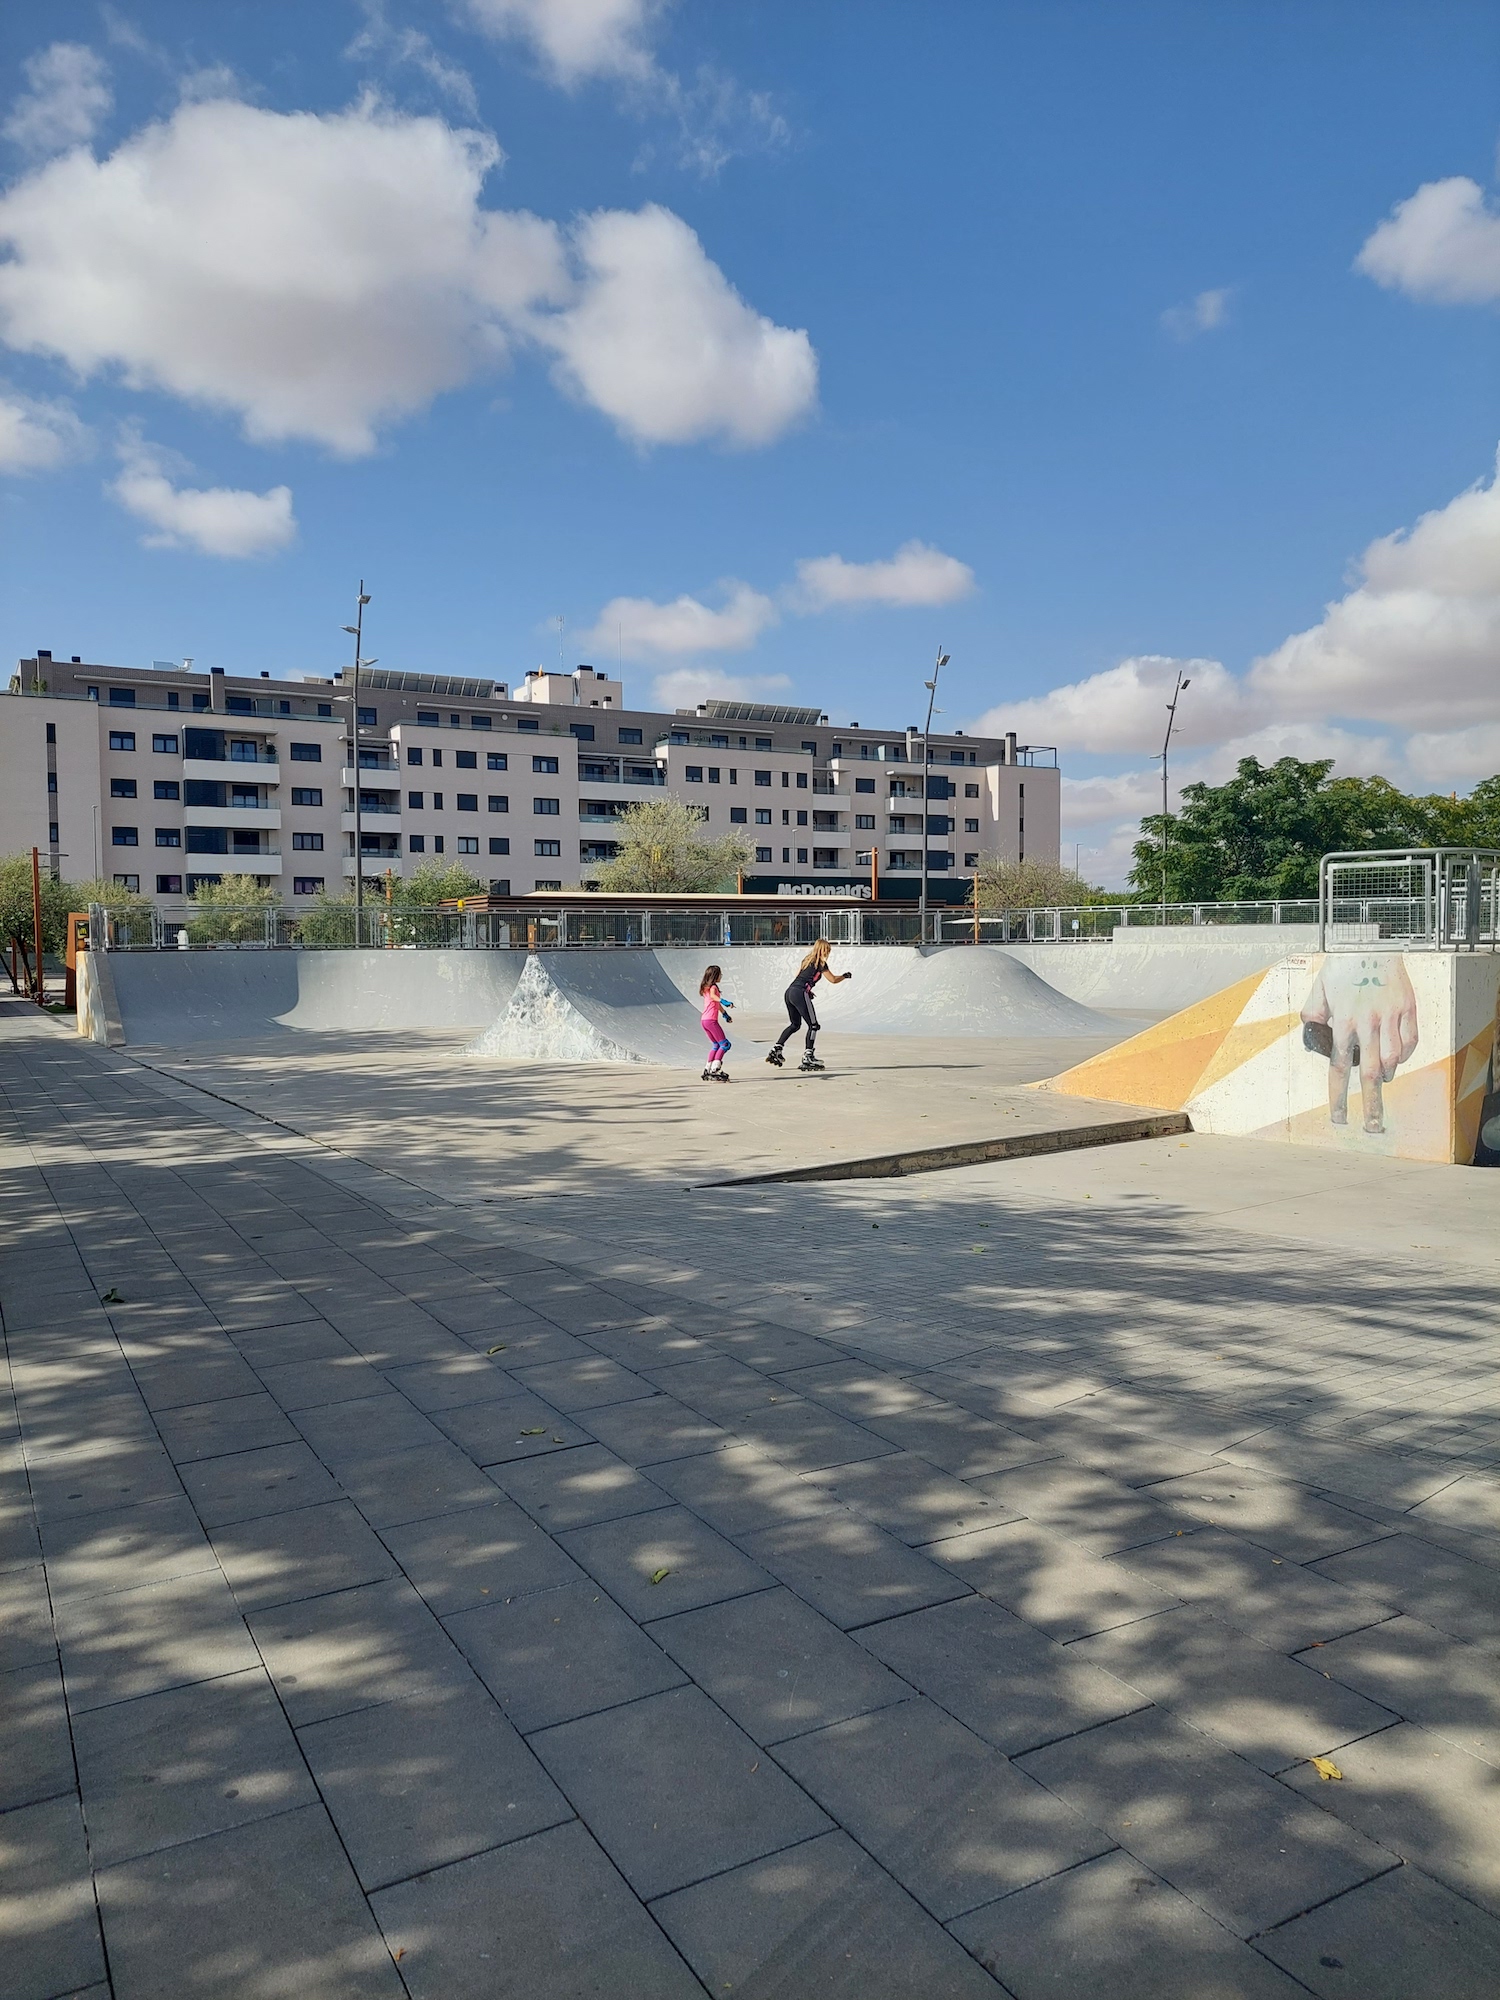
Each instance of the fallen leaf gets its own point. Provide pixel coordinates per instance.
(660, 1575)
(755, 1767)
(539, 1431)
(500, 1349)
(398, 1956)
(1325, 1767)
(110, 1298)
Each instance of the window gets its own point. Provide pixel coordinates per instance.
(51, 732)
(207, 840)
(122, 739)
(971, 826)
(762, 742)
(242, 751)
(174, 700)
(584, 731)
(546, 807)
(955, 756)
(762, 853)
(786, 817)
(762, 777)
(630, 736)
(467, 760)
(468, 802)
(548, 882)
(802, 854)
(437, 843)
(734, 776)
(51, 780)
(693, 773)
(437, 802)
(125, 836)
(713, 774)
(479, 722)
(52, 833)
(547, 847)
(864, 784)
(762, 815)
(307, 843)
(122, 788)
(812, 749)
(499, 802)
(546, 765)
(528, 723)
(122, 697)
(786, 779)
(168, 836)
(416, 843)
(413, 756)
(437, 756)
(324, 708)
(307, 795)
(414, 800)
(499, 844)
(497, 760)
(802, 819)
(305, 753)
(169, 885)
(786, 854)
(971, 861)
(93, 694)
(202, 882)
(718, 742)
(467, 844)
(307, 885)
(738, 816)
(971, 791)
(802, 781)
(200, 701)
(367, 718)
(499, 885)
(825, 857)
(239, 704)
(166, 745)
(130, 882)
(678, 736)
(864, 822)
(454, 721)
(428, 718)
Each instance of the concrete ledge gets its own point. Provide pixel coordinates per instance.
(973, 1152)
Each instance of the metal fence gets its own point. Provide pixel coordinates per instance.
(1080, 922)
(1424, 899)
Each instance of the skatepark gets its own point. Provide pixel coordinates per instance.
(503, 1516)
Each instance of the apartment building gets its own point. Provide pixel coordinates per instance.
(168, 777)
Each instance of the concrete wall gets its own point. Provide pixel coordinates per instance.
(1158, 971)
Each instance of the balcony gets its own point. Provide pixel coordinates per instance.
(221, 770)
(230, 864)
(372, 778)
(243, 817)
(370, 818)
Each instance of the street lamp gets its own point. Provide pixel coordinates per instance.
(931, 687)
(1166, 746)
(357, 631)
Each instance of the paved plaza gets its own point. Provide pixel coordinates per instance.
(582, 1582)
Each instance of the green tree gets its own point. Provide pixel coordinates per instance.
(432, 883)
(232, 911)
(663, 850)
(59, 900)
(1026, 885)
(329, 921)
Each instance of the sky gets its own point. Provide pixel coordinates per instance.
(772, 348)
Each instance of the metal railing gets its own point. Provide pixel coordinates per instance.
(1081, 922)
(1424, 899)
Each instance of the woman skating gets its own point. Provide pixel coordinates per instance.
(800, 1009)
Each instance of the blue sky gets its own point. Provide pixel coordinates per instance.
(771, 346)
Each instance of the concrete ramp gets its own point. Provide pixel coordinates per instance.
(598, 1006)
(1155, 971)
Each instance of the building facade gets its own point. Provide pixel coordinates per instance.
(168, 778)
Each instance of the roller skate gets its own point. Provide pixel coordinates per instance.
(810, 1062)
(776, 1059)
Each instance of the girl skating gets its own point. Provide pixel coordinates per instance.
(799, 1006)
(715, 1014)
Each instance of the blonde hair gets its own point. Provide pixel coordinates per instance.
(817, 956)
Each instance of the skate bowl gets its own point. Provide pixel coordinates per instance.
(896, 990)
(1155, 971)
(1375, 1052)
(599, 1006)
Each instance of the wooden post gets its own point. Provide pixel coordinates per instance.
(36, 924)
(874, 874)
(77, 920)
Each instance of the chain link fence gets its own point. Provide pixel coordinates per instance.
(1427, 899)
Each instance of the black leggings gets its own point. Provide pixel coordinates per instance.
(800, 1013)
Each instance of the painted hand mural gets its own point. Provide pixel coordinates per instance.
(1361, 1014)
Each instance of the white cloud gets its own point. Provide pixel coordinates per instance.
(638, 628)
(1124, 708)
(1207, 311)
(323, 275)
(916, 575)
(1441, 243)
(216, 521)
(662, 343)
(36, 433)
(575, 39)
(68, 98)
(381, 39)
(685, 687)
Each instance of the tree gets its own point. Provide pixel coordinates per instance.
(1260, 836)
(232, 911)
(59, 900)
(1026, 885)
(662, 850)
(432, 883)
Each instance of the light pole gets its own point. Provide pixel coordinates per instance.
(1165, 747)
(357, 629)
(931, 687)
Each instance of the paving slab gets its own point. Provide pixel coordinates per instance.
(331, 1655)
(168, 1383)
(820, 1919)
(958, 1441)
(480, 1555)
(412, 1785)
(105, 1473)
(36, 1753)
(1092, 1510)
(49, 1932)
(1048, 1580)
(1470, 1502)
(850, 1570)
(88, 1555)
(415, 1485)
(239, 1423)
(196, 1760)
(775, 1666)
(911, 1498)
(1424, 1676)
(349, 1433)
(673, 1791)
(306, 1552)
(581, 1384)
(806, 1436)
(138, 1642)
(859, 1390)
(689, 1562)
(655, 1430)
(247, 1485)
(312, 1385)
(1283, 1603)
(552, 1655)
(937, 1807)
(546, 1915)
(998, 1675)
(505, 1431)
(269, 1908)
(1236, 1842)
(1280, 1515)
(1440, 1586)
(1113, 1927)
(574, 1489)
(460, 1378)
(1399, 1936)
(740, 1488)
